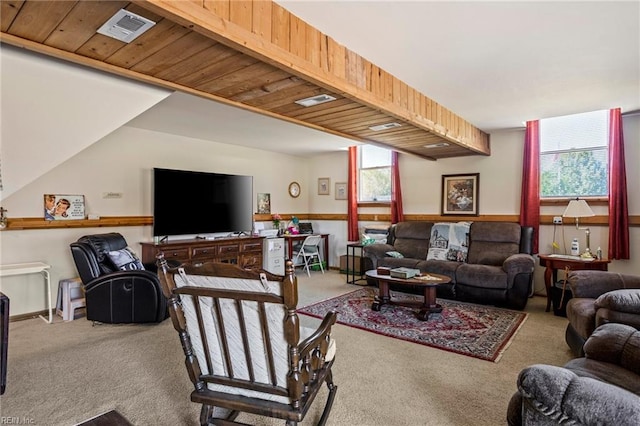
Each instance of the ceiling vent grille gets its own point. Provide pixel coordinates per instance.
(384, 126)
(437, 145)
(315, 100)
(125, 26)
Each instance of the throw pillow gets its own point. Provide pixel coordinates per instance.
(376, 238)
(395, 254)
(125, 259)
(449, 241)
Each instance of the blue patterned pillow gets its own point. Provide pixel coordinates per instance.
(125, 260)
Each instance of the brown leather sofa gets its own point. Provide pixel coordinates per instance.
(499, 267)
(600, 297)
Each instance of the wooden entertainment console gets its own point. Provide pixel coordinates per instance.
(243, 251)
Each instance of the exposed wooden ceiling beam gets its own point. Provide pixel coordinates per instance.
(250, 54)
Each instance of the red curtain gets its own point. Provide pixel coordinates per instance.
(352, 195)
(397, 215)
(618, 211)
(530, 196)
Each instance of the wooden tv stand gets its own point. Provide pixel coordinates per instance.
(243, 251)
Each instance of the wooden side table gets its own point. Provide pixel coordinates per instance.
(553, 262)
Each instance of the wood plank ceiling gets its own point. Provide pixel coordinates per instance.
(253, 54)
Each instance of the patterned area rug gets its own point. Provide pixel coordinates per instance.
(477, 331)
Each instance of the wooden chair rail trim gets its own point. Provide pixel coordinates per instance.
(28, 223)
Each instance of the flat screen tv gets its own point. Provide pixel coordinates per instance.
(189, 202)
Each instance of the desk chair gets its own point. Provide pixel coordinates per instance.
(310, 253)
(245, 350)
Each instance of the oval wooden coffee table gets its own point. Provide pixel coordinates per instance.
(427, 281)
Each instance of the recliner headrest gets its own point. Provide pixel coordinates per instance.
(104, 243)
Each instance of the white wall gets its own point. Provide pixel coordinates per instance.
(52, 109)
(123, 160)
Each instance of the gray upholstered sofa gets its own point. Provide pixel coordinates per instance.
(498, 269)
(601, 389)
(600, 297)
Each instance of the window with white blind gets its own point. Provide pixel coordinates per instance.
(374, 173)
(574, 155)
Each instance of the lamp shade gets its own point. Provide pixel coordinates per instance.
(578, 208)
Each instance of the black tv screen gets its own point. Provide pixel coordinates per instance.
(189, 202)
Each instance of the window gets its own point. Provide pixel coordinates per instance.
(574, 155)
(374, 173)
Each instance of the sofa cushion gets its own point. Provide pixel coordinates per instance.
(605, 372)
(449, 241)
(398, 262)
(620, 300)
(617, 344)
(442, 267)
(482, 276)
(490, 243)
(412, 238)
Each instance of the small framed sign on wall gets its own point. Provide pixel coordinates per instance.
(63, 207)
(460, 194)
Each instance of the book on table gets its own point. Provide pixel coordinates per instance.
(404, 273)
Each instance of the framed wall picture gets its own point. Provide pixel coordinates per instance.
(264, 203)
(460, 194)
(323, 186)
(63, 207)
(341, 190)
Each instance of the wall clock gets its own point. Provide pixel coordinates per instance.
(294, 189)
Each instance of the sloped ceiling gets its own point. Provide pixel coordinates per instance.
(51, 110)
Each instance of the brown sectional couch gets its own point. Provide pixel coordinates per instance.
(600, 297)
(498, 270)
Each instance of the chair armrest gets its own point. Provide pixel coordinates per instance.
(616, 344)
(319, 336)
(519, 263)
(560, 395)
(377, 251)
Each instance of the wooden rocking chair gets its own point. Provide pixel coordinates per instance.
(245, 350)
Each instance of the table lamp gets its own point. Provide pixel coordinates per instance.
(579, 208)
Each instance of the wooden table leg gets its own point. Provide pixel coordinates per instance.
(430, 306)
(383, 296)
(547, 284)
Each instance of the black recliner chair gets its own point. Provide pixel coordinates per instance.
(117, 287)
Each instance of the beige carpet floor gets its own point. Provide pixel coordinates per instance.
(67, 372)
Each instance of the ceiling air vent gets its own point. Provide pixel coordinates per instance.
(437, 145)
(125, 26)
(384, 126)
(315, 100)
